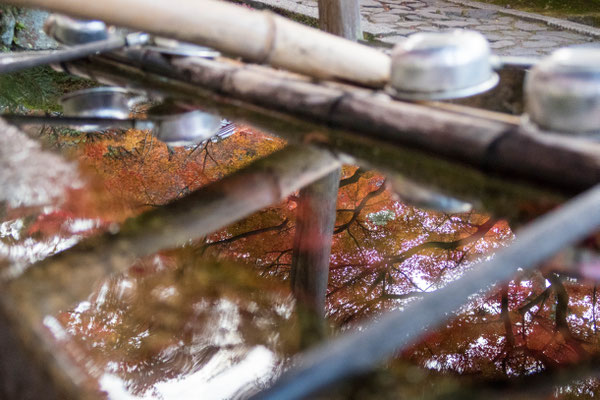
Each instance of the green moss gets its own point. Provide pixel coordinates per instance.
(37, 89)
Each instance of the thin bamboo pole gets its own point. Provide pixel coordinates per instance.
(254, 35)
(315, 220)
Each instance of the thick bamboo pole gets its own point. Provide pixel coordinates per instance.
(358, 351)
(257, 36)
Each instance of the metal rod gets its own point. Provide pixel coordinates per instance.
(15, 119)
(359, 351)
(13, 63)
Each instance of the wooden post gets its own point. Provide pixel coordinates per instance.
(341, 17)
(312, 248)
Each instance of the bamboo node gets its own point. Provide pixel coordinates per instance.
(265, 58)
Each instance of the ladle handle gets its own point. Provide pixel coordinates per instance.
(12, 63)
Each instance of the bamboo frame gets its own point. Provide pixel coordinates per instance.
(482, 141)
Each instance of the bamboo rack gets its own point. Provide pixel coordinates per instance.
(257, 36)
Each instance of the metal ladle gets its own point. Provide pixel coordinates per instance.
(446, 65)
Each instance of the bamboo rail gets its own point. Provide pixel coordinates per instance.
(258, 36)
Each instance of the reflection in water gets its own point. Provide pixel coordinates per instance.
(29, 176)
(216, 317)
(174, 326)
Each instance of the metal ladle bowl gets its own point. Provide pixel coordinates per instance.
(70, 31)
(100, 102)
(176, 125)
(438, 66)
(170, 122)
(562, 93)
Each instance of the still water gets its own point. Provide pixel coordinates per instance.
(216, 319)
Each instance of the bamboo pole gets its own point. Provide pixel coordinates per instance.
(359, 351)
(257, 36)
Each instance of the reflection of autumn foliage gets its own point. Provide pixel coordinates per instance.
(384, 252)
(138, 171)
(128, 172)
(145, 326)
(534, 324)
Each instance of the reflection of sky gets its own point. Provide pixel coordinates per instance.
(30, 176)
(218, 379)
(21, 250)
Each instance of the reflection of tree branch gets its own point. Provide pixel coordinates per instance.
(447, 266)
(540, 298)
(352, 179)
(209, 143)
(480, 233)
(356, 212)
(509, 335)
(408, 278)
(279, 227)
(384, 296)
(276, 262)
(562, 311)
(358, 246)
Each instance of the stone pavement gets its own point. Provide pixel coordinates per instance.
(511, 32)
